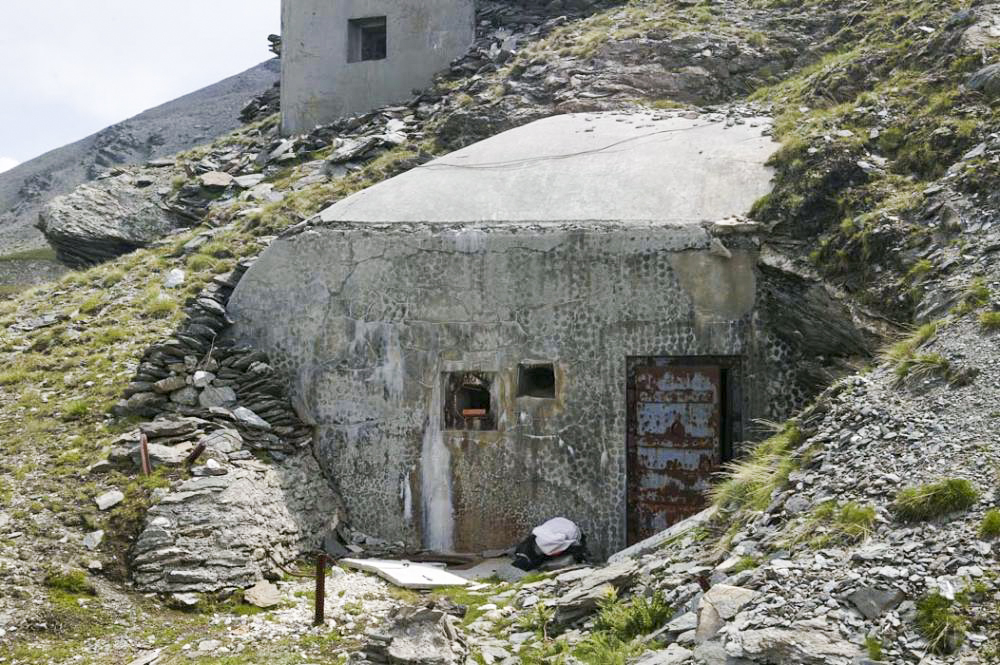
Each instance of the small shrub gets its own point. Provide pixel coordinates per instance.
(990, 526)
(939, 624)
(926, 502)
(989, 320)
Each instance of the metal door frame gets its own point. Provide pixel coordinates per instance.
(731, 405)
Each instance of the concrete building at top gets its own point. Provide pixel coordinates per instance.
(341, 57)
(570, 318)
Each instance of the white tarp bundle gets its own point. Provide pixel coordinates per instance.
(556, 536)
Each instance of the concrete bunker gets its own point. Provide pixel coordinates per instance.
(565, 319)
(350, 56)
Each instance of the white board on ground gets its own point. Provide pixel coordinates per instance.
(407, 574)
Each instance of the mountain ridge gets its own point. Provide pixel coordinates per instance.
(163, 130)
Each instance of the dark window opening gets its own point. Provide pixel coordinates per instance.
(536, 381)
(367, 39)
(468, 403)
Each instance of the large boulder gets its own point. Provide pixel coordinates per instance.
(797, 645)
(105, 219)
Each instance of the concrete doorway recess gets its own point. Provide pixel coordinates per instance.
(682, 416)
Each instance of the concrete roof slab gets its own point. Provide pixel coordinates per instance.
(613, 166)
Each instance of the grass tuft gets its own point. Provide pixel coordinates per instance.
(927, 502)
(989, 528)
(905, 348)
(73, 582)
(750, 483)
(873, 646)
(77, 409)
(940, 625)
(606, 649)
(921, 366)
(989, 320)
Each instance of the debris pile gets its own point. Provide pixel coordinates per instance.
(416, 636)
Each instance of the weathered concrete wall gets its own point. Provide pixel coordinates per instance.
(366, 319)
(318, 84)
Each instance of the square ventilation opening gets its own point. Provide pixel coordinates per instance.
(536, 381)
(468, 403)
(367, 39)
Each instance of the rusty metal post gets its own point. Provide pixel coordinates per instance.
(320, 589)
(147, 468)
(195, 454)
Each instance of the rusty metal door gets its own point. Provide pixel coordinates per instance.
(674, 445)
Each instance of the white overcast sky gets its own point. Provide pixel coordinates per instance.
(73, 67)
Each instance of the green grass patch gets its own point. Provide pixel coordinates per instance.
(13, 376)
(906, 347)
(73, 582)
(919, 270)
(77, 409)
(40, 254)
(200, 263)
(989, 528)
(111, 277)
(161, 307)
(933, 500)
(471, 600)
(216, 249)
(744, 564)
(91, 304)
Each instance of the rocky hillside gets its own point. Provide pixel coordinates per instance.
(865, 529)
(178, 125)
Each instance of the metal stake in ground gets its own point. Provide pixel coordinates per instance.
(147, 468)
(320, 589)
(195, 454)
